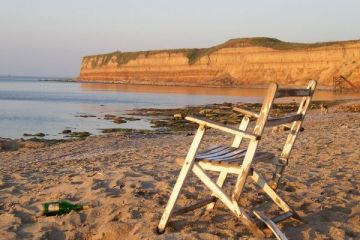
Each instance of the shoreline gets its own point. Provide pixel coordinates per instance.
(171, 84)
(163, 120)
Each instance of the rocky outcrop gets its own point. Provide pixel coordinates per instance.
(237, 62)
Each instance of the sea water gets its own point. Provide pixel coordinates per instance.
(42, 105)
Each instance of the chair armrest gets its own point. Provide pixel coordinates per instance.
(270, 121)
(221, 127)
(246, 112)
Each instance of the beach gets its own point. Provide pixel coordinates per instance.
(127, 180)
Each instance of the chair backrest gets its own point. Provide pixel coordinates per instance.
(294, 119)
(264, 120)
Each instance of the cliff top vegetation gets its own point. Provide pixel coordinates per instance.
(194, 54)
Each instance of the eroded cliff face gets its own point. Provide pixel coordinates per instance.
(230, 65)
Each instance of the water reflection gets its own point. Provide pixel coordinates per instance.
(185, 90)
(219, 91)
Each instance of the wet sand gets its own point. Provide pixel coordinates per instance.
(128, 178)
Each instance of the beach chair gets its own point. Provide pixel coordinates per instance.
(234, 160)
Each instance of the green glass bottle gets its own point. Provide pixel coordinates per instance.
(61, 207)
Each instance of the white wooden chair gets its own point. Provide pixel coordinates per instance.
(233, 160)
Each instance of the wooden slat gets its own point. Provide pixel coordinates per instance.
(256, 115)
(186, 168)
(261, 182)
(227, 158)
(237, 161)
(230, 154)
(234, 154)
(227, 151)
(258, 130)
(236, 144)
(295, 128)
(210, 152)
(219, 168)
(246, 112)
(229, 162)
(193, 206)
(222, 127)
(282, 217)
(243, 127)
(220, 158)
(265, 157)
(292, 92)
(220, 182)
(283, 120)
(277, 232)
(212, 148)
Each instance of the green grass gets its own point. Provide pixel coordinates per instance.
(194, 54)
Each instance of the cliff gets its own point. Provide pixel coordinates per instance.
(246, 61)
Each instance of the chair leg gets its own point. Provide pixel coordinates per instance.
(232, 205)
(277, 176)
(187, 166)
(261, 182)
(244, 170)
(220, 182)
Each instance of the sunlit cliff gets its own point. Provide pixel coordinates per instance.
(237, 62)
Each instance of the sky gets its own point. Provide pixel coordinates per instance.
(50, 37)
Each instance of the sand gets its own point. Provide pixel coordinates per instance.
(128, 178)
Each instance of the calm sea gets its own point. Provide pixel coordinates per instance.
(32, 105)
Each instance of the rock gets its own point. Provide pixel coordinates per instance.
(225, 107)
(119, 120)
(227, 104)
(210, 115)
(109, 116)
(85, 115)
(131, 119)
(127, 131)
(9, 145)
(34, 135)
(178, 115)
(159, 123)
(205, 111)
(280, 128)
(80, 134)
(66, 131)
